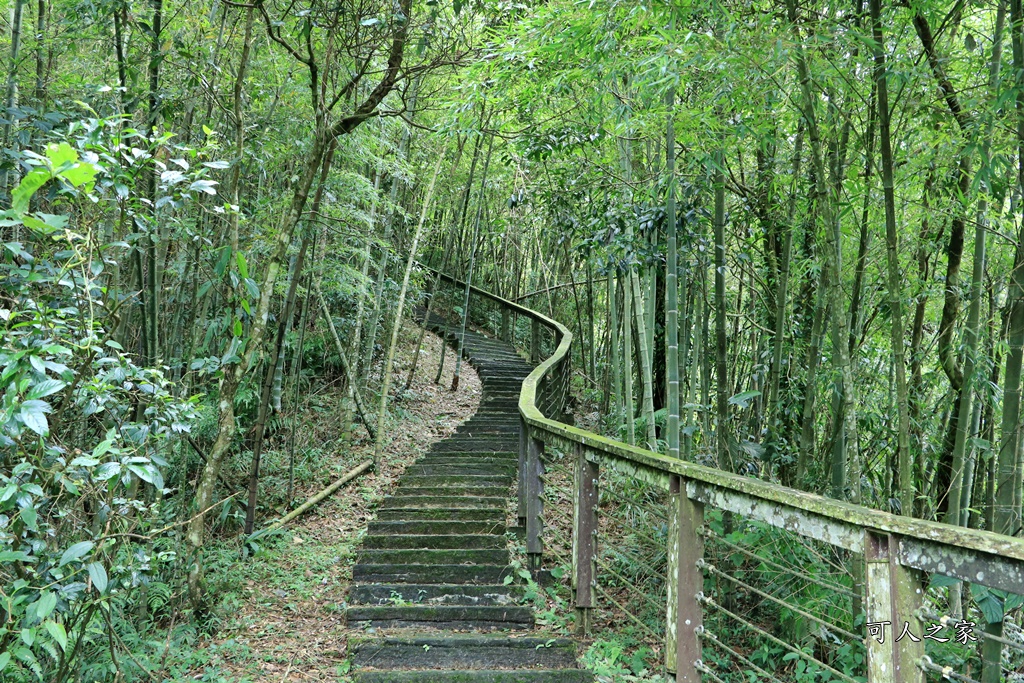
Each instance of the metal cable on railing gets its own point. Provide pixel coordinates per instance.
(709, 533)
(711, 569)
(707, 635)
(703, 599)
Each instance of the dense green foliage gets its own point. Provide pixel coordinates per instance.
(848, 311)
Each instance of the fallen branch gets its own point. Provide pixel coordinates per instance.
(313, 501)
(344, 364)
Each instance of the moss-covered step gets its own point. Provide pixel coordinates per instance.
(404, 500)
(435, 541)
(456, 480)
(462, 469)
(464, 444)
(462, 651)
(430, 573)
(477, 676)
(483, 617)
(435, 526)
(428, 514)
(491, 556)
(434, 594)
(486, 491)
(463, 456)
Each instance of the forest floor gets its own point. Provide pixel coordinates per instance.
(282, 611)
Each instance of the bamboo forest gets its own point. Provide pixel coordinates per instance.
(511, 341)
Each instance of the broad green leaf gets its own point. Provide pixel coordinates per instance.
(143, 473)
(75, 552)
(5, 659)
(30, 518)
(52, 220)
(84, 462)
(33, 414)
(32, 181)
(107, 470)
(45, 604)
(98, 574)
(61, 154)
(58, 633)
(206, 186)
(46, 388)
(14, 556)
(243, 266)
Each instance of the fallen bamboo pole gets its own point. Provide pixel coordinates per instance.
(313, 501)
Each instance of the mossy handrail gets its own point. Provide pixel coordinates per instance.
(900, 542)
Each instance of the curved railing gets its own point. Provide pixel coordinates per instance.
(895, 550)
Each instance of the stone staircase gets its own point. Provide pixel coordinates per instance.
(433, 566)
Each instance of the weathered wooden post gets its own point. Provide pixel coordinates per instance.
(894, 595)
(535, 341)
(534, 503)
(584, 539)
(685, 582)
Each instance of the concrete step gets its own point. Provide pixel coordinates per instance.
(442, 617)
(493, 515)
(488, 469)
(458, 651)
(430, 573)
(465, 444)
(460, 541)
(487, 491)
(434, 594)
(436, 526)
(477, 676)
(455, 480)
(432, 556)
(403, 500)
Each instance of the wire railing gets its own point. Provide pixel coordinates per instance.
(728, 578)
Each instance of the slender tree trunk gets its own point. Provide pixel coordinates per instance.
(41, 54)
(367, 257)
(904, 458)
(350, 377)
(396, 328)
(671, 285)
(12, 91)
(627, 351)
(614, 351)
(721, 349)
(472, 263)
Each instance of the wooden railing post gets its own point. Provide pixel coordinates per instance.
(535, 341)
(894, 595)
(685, 582)
(534, 503)
(584, 539)
(524, 445)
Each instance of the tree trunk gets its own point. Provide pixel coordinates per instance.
(396, 328)
(904, 458)
(671, 285)
(721, 350)
(472, 262)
